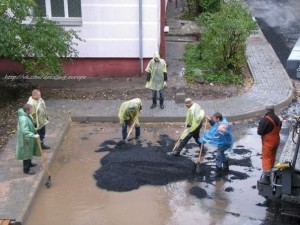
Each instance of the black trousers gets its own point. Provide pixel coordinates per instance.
(42, 133)
(195, 134)
(26, 165)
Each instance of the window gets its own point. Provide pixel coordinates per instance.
(65, 12)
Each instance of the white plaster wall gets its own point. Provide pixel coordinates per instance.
(111, 28)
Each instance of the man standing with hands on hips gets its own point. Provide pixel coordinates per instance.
(157, 79)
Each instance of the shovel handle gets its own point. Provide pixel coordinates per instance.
(132, 126)
(202, 145)
(46, 165)
(177, 143)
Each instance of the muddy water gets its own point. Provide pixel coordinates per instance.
(75, 199)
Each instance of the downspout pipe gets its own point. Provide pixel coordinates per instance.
(141, 36)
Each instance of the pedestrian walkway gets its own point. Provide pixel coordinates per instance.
(271, 85)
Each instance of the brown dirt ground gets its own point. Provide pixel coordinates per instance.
(108, 89)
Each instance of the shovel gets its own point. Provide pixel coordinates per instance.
(46, 166)
(198, 168)
(178, 141)
(176, 144)
(130, 130)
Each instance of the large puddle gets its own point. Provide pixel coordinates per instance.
(75, 199)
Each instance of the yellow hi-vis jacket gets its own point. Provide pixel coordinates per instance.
(157, 70)
(194, 117)
(129, 110)
(39, 112)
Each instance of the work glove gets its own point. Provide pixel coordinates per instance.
(36, 136)
(165, 84)
(148, 77)
(130, 123)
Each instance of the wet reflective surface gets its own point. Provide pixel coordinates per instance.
(74, 197)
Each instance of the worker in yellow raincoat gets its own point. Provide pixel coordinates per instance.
(128, 113)
(39, 115)
(193, 124)
(157, 79)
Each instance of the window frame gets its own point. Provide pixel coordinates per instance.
(66, 20)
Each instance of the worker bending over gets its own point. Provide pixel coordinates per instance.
(269, 129)
(128, 114)
(193, 124)
(219, 135)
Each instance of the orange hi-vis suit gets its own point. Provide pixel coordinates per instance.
(270, 143)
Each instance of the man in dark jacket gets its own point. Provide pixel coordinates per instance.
(269, 129)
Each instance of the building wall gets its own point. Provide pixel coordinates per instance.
(111, 28)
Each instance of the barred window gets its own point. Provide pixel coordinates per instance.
(60, 8)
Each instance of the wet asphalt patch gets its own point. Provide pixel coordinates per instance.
(245, 161)
(240, 150)
(198, 192)
(229, 189)
(132, 165)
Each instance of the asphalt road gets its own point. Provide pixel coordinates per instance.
(280, 22)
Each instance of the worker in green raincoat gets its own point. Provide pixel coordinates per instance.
(26, 139)
(157, 79)
(39, 115)
(193, 124)
(128, 113)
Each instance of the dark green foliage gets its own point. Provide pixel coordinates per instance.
(221, 55)
(194, 7)
(210, 5)
(39, 46)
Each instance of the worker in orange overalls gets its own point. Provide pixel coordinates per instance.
(269, 129)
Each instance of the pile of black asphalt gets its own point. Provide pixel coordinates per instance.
(129, 166)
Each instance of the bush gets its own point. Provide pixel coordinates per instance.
(221, 54)
(194, 7)
(39, 47)
(210, 5)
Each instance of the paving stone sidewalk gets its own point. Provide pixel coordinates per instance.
(271, 85)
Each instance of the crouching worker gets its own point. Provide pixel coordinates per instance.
(269, 129)
(193, 125)
(129, 115)
(26, 139)
(219, 135)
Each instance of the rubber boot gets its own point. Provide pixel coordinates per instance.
(33, 164)
(225, 166)
(44, 146)
(177, 151)
(153, 103)
(161, 103)
(26, 167)
(218, 173)
(265, 179)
